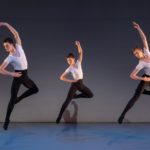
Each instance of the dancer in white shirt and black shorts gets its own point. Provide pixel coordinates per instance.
(144, 63)
(17, 59)
(75, 69)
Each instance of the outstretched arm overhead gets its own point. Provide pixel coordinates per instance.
(13, 31)
(6, 72)
(80, 51)
(142, 35)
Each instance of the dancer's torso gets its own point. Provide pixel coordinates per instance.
(76, 71)
(145, 63)
(19, 60)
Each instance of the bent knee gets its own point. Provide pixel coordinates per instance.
(91, 95)
(35, 89)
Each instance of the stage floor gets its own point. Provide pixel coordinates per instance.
(44, 136)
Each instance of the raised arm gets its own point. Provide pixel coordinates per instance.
(142, 35)
(80, 51)
(6, 72)
(13, 31)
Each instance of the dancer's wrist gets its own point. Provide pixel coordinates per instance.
(11, 74)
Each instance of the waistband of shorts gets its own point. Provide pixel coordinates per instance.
(146, 75)
(23, 71)
(80, 80)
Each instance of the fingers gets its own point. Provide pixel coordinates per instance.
(136, 25)
(18, 74)
(147, 79)
(134, 22)
(2, 23)
(77, 42)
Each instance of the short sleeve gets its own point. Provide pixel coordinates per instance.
(78, 63)
(8, 59)
(146, 52)
(139, 66)
(67, 70)
(19, 47)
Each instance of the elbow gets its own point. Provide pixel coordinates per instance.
(132, 76)
(61, 78)
(1, 70)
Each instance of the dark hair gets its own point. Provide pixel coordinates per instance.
(70, 55)
(8, 40)
(136, 48)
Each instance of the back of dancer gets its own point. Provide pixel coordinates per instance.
(144, 63)
(75, 68)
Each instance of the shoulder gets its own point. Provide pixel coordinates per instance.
(67, 70)
(78, 62)
(18, 46)
(8, 59)
(140, 64)
(146, 51)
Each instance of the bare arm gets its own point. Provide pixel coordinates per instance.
(142, 35)
(13, 31)
(64, 78)
(80, 51)
(134, 76)
(6, 72)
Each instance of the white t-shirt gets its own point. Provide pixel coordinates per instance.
(75, 70)
(18, 61)
(144, 64)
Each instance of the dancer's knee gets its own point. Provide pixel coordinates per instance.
(91, 95)
(34, 89)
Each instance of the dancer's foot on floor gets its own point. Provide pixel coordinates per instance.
(120, 120)
(58, 120)
(5, 126)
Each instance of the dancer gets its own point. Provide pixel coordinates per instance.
(144, 63)
(18, 60)
(75, 69)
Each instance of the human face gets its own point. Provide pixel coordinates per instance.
(138, 53)
(8, 46)
(70, 60)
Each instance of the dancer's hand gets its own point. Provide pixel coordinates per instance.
(2, 24)
(74, 81)
(147, 79)
(80, 51)
(136, 25)
(77, 43)
(16, 74)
